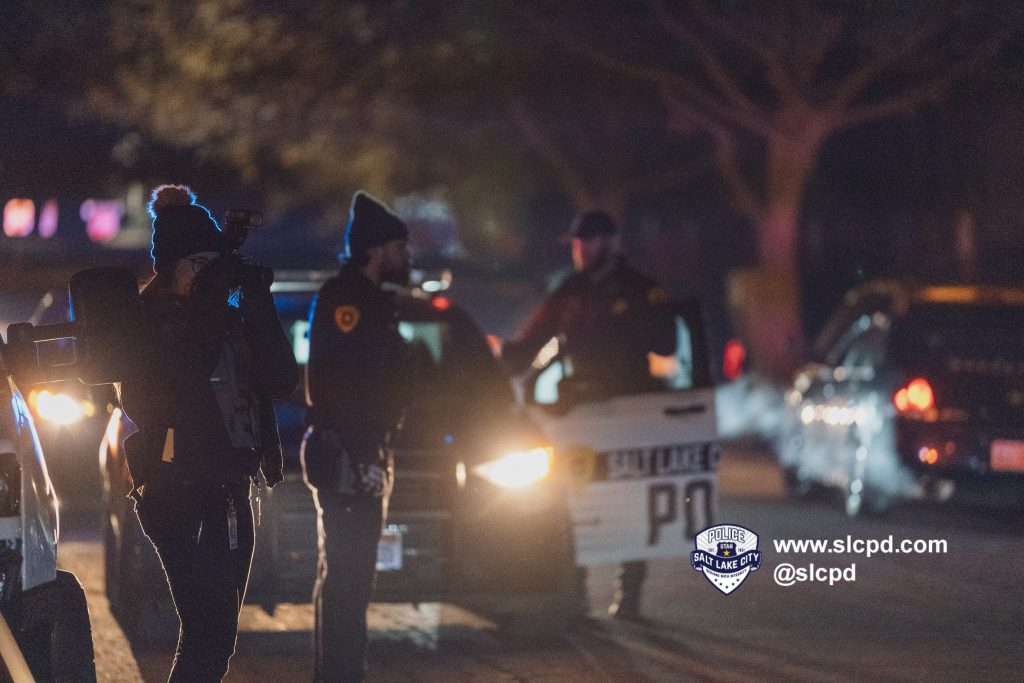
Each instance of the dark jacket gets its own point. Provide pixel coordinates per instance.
(357, 363)
(608, 327)
(182, 344)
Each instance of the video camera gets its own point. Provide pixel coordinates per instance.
(106, 316)
(237, 223)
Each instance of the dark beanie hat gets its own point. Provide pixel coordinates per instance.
(180, 226)
(593, 224)
(371, 224)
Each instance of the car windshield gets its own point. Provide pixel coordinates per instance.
(452, 364)
(451, 360)
(933, 335)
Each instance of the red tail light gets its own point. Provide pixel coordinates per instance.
(733, 357)
(916, 396)
(440, 303)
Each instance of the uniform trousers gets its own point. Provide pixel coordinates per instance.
(348, 531)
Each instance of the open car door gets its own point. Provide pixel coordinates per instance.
(644, 465)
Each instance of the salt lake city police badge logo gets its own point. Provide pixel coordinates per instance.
(726, 554)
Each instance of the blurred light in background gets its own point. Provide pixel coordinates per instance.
(60, 408)
(300, 341)
(102, 218)
(19, 217)
(48, 219)
(733, 357)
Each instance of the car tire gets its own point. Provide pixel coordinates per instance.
(111, 566)
(143, 608)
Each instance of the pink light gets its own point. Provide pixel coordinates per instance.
(102, 218)
(48, 219)
(19, 217)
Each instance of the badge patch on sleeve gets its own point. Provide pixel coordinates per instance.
(346, 318)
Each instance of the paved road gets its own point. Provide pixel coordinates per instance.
(954, 616)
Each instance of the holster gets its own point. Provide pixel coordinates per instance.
(326, 463)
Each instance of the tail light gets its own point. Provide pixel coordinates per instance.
(917, 396)
(733, 358)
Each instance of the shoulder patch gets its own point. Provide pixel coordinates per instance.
(656, 295)
(346, 318)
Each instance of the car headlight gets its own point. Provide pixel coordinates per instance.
(59, 408)
(518, 469)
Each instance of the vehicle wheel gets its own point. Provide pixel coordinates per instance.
(111, 566)
(144, 608)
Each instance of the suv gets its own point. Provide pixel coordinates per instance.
(44, 608)
(478, 514)
(914, 391)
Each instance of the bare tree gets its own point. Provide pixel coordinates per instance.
(780, 79)
(767, 84)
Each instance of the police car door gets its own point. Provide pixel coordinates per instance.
(644, 466)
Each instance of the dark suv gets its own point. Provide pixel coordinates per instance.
(914, 391)
(478, 514)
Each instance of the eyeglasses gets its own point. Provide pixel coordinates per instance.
(198, 262)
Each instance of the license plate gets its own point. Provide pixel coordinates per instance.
(1007, 456)
(389, 549)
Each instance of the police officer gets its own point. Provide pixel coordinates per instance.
(354, 389)
(608, 318)
(202, 400)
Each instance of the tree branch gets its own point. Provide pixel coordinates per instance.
(853, 86)
(761, 50)
(705, 55)
(683, 118)
(819, 50)
(931, 91)
(543, 145)
(768, 55)
(657, 77)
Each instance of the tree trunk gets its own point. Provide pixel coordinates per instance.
(789, 164)
(772, 316)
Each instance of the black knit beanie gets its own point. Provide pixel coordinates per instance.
(592, 224)
(180, 226)
(371, 224)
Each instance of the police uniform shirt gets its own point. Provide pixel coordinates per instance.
(356, 361)
(609, 327)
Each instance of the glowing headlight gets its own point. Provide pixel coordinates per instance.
(58, 408)
(518, 469)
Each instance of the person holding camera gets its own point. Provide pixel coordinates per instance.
(355, 389)
(212, 357)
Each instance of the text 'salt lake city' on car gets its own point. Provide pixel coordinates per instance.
(914, 391)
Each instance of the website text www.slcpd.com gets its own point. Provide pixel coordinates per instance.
(861, 546)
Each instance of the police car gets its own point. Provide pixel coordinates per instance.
(914, 391)
(479, 512)
(644, 465)
(44, 608)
